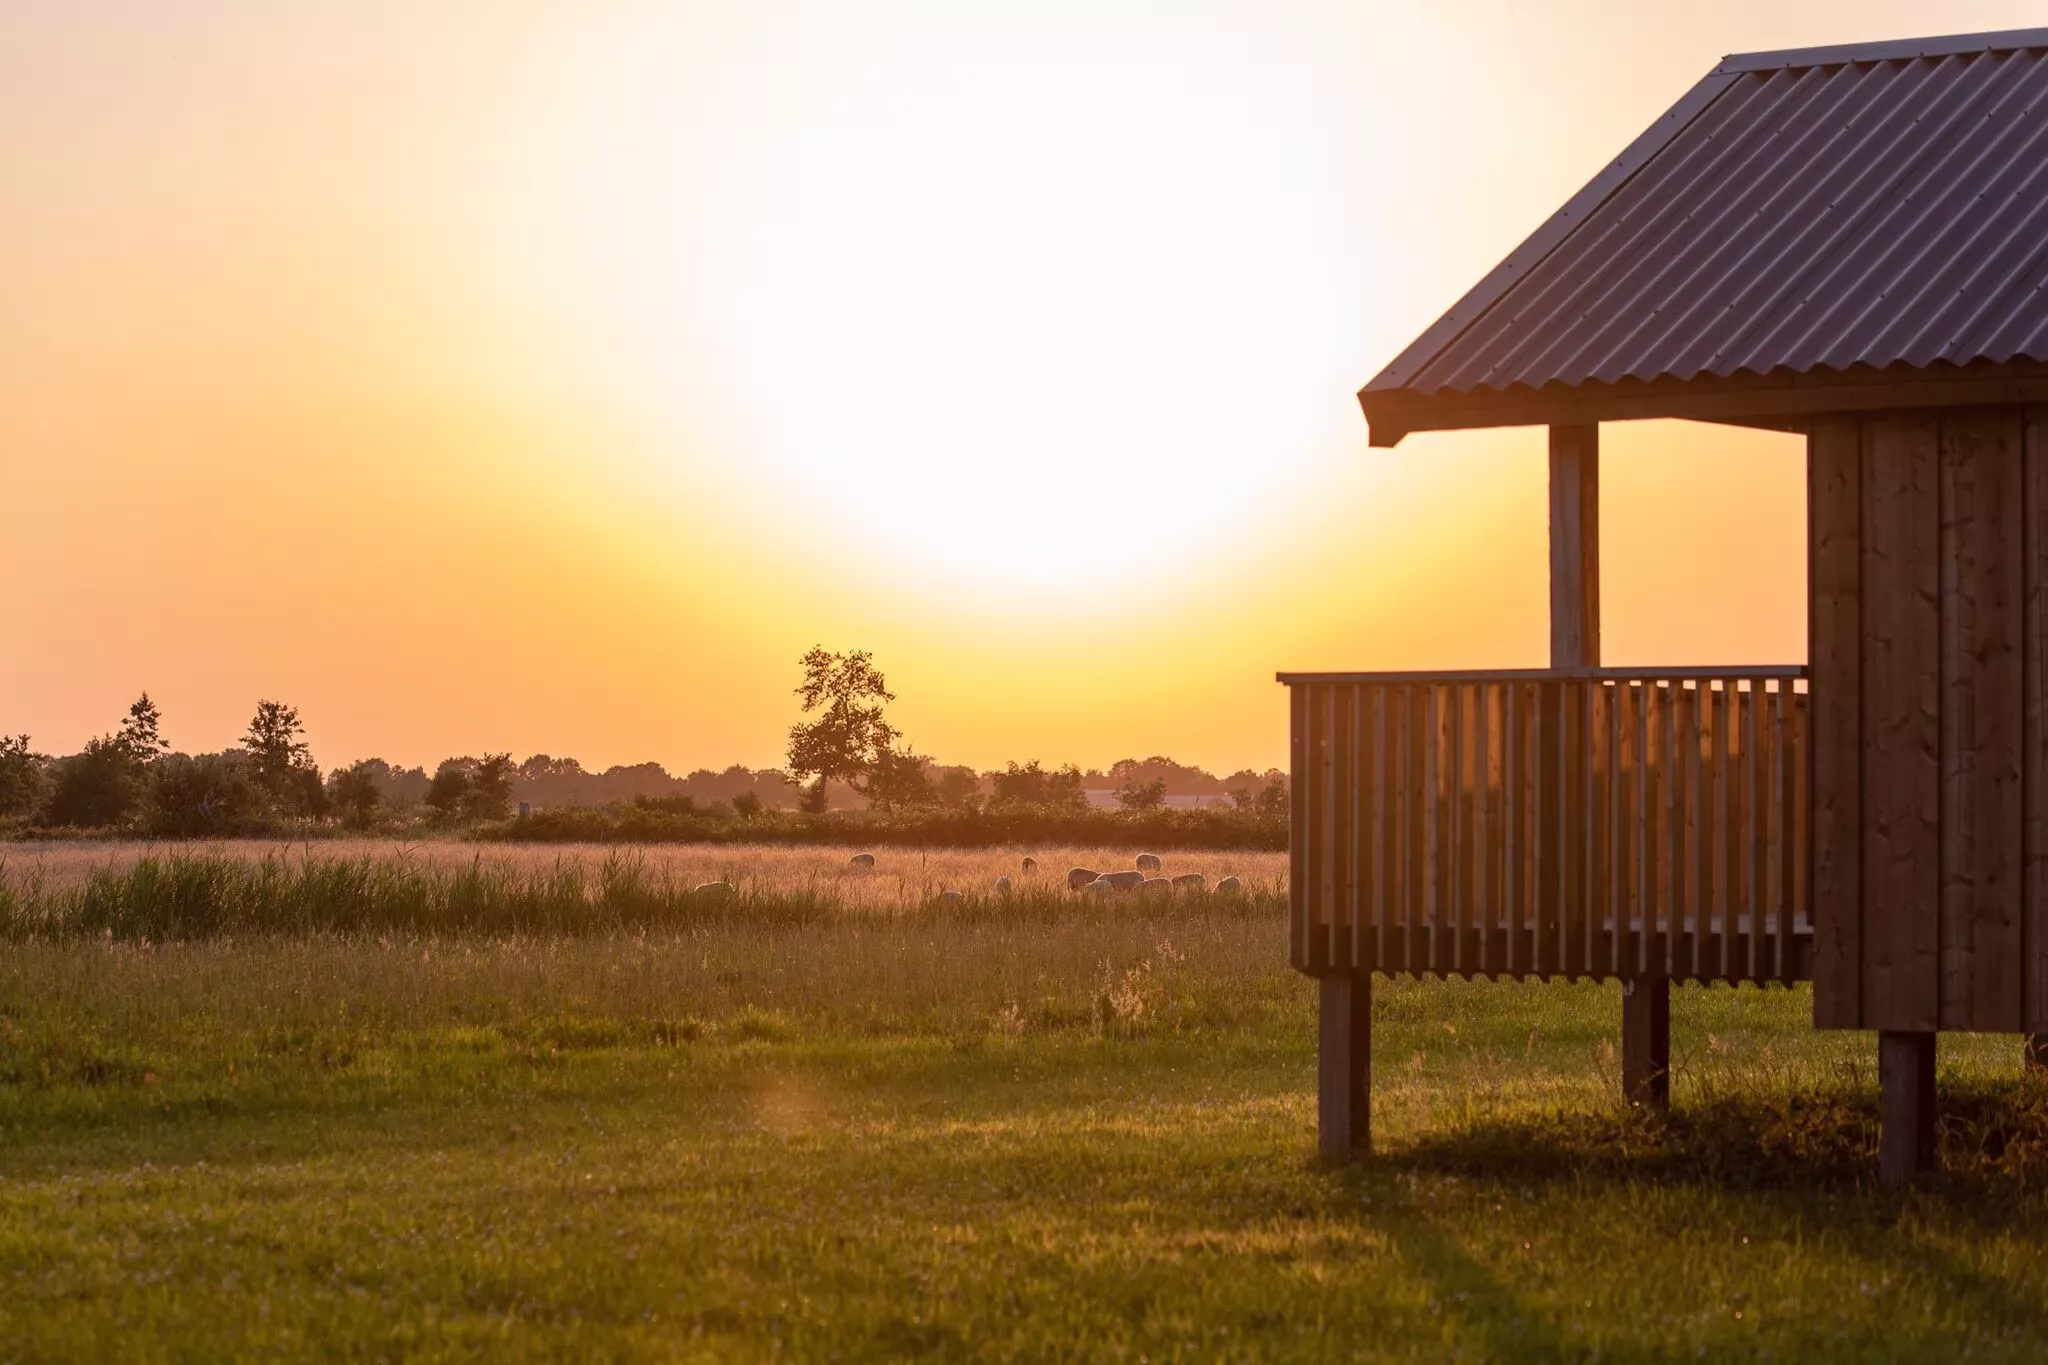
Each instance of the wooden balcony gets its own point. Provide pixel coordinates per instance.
(1580, 823)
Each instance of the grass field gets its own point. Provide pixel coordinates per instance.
(1033, 1129)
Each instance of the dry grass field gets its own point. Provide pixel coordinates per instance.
(901, 877)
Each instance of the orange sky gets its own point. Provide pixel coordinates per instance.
(497, 374)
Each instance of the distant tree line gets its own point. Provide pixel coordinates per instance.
(844, 757)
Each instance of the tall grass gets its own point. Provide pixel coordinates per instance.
(183, 896)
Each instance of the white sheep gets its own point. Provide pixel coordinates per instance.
(715, 889)
(1002, 886)
(1189, 881)
(862, 862)
(951, 897)
(1148, 862)
(1152, 884)
(1098, 888)
(1123, 881)
(1078, 877)
(1229, 886)
(1031, 864)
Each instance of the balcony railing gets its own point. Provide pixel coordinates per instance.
(1593, 823)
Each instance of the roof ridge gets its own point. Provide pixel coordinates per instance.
(1896, 49)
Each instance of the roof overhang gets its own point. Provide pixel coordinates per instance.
(1785, 401)
(1491, 361)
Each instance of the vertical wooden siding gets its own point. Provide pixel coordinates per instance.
(1928, 558)
(1551, 826)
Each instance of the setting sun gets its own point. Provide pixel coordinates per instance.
(636, 348)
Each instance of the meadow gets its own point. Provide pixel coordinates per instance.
(829, 1117)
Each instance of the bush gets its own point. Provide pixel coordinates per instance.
(99, 787)
(23, 777)
(211, 796)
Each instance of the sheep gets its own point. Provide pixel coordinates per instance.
(1078, 877)
(951, 897)
(1098, 888)
(1148, 862)
(1031, 864)
(1152, 884)
(1189, 881)
(1123, 881)
(862, 862)
(1002, 886)
(1229, 886)
(715, 889)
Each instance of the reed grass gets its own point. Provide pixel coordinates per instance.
(140, 893)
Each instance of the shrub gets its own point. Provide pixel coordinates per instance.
(98, 787)
(205, 797)
(24, 777)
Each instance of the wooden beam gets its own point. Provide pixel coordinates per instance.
(2034, 729)
(1905, 1078)
(1646, 1041)
(1748, 400)
(1983, 822)
(1344, 1066)
(1901, 670)
(1575, 546)
(1834, 624)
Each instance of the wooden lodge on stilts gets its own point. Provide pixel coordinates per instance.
(1847, 243)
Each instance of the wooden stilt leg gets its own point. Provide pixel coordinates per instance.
(1344, 1067)
(1646, 1040)
(1905, 1079)
(2036, 1051)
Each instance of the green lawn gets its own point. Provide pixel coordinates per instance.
(1089, 1140)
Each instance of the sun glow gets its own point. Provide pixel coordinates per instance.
(968, 308)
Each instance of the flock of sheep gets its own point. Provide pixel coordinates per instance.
(1144, 877)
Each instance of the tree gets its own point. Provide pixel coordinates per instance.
(489, 793)
(899, 779)
(98, 786)
(1272, 798)
(279, 758)
(1031, 785)
(23, 776)
(746, 804)
(850, 737)
(357, 791)
(814, 799)
(445, 794)
(213, 794)
(956, 787)
(1136, 795)
(141, 734)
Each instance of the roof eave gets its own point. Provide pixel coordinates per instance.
(1782, 400)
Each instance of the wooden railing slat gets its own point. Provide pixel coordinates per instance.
(1511, 817)
(1759, 771)
(1483, 778)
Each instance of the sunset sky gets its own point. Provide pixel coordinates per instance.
(495, 374)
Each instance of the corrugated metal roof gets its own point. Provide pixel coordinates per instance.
(1882, 205)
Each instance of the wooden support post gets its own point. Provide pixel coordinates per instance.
(1344, 1067)
(1575, 546)
(1646, 1041)
(1905, 1080)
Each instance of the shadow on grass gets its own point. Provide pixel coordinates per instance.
(1810, 1156)
(1992, 1135)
